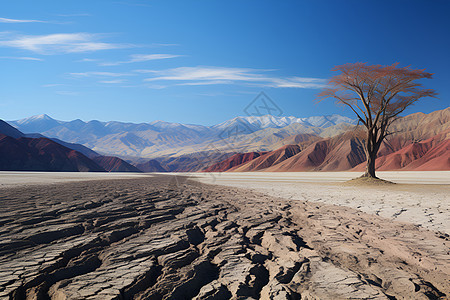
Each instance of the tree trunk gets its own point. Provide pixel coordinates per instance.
(370, 168)
(372, 146)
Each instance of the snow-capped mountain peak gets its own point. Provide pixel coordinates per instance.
(36, 118)
(269, 121)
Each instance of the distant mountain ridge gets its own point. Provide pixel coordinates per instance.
(266, 121)
(41, 154)
(35, 152)
(159, 138)
(8, 130)
(421, 142)
(265, 143)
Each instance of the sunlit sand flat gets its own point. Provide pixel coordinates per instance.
(10, 179)
(421, 198)
(411, 177)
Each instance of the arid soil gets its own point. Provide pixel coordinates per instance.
(14, 179)
(423, 201)
(160, 238)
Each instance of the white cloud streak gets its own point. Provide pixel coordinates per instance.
(21, 58)
(206, 74)
(99, 74)
(115, 81)
(297, 82)
(88, 60)
(6, 20)
(135, 58)
(144, 71)
(206, 82)
(59, 43)
(147, 57)
(202, 76)
(223, 75)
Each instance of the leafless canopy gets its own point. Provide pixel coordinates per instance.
(377, 95)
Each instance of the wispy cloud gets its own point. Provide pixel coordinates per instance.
(206, 74)
(99, 74)
(88, 60)
(6, 20)
(206, 82)
(297, 82)
(147, 57)
(223, 75)
(21, 58)
(145, 71)
(59, 43)
(115, 81)
(134, 58)
(156, 86)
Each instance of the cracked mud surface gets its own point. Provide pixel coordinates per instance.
(150, 239)
(426, 205)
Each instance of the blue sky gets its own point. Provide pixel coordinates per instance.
(204, 61)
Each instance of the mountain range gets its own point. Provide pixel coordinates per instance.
(34, 152)
(265, 143)
(420, 142)
(159, 138)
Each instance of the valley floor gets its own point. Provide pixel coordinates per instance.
(165, 237)
(19, 178)
(421, 198)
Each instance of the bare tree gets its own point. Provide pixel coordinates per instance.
(377, 95)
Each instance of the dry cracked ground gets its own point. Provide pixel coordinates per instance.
(153, 238)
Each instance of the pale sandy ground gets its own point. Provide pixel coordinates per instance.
(11, 179)
(159, 238)
(154, 238)
(421, 198)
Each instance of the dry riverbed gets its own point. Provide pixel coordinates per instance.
(160, 238)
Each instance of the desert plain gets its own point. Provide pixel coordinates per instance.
(224, 236)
